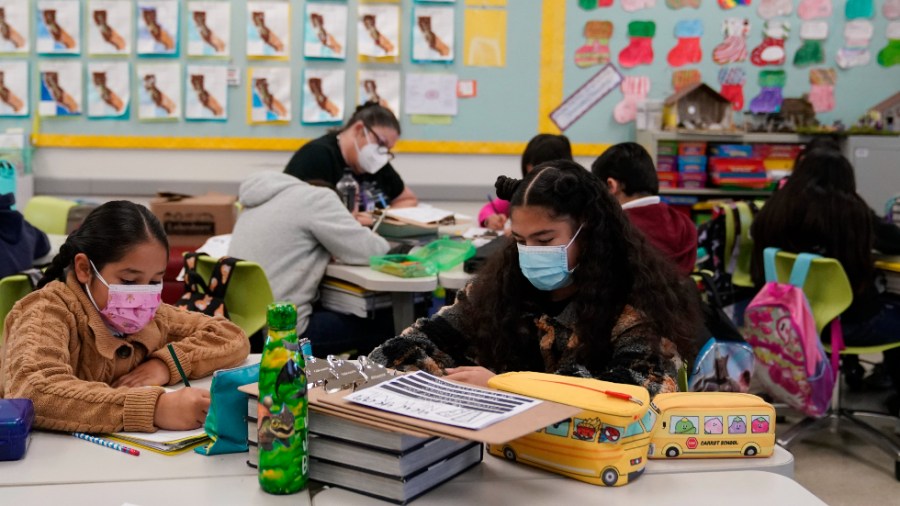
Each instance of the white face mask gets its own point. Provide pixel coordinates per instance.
(369, 157)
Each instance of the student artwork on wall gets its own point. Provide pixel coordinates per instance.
(60, 88)
(206, 96)
(381, 86)
(323, 96)
(209, 29)
(734, 47)
(58, 27)
(109, 27)
(13, 88)
(15, 27)
(157, 22)
(159, 91)
(378, 33)
(325, 31)
(269, 95)
(432, 34)
(109, 89)
(682, 4)
(636, 5)
(268, 29)
(484, 38)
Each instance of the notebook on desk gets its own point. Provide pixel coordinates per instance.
(166, 442)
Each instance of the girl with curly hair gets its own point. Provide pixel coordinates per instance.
(577, 291)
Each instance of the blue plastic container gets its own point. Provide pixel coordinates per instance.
(16, 417)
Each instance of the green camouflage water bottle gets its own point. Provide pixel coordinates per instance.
(282, 411)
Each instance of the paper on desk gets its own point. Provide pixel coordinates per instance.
(421, 395)
(419, 214)
(162, 436)
(431, 94)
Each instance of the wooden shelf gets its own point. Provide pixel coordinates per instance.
(741, 137)
(714, 192)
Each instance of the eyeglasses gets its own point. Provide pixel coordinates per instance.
(382, 144)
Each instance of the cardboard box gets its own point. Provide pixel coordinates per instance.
(693, 148)
(696, 163)
(667, 179)
(190, 221)
(666, 163)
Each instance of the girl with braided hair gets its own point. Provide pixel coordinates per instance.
(89, 346)
(577, 291)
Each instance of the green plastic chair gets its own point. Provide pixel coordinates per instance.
(248, 295)
(830, 294)
(12, 288)
(741, 275)
(49, 214)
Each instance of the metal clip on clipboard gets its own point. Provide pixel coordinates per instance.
(334, 374)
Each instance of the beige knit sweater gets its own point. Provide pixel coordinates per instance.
(58, 352)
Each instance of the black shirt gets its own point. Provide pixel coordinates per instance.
(322, 159)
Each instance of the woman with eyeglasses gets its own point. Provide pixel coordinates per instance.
(364, 145)
(577, 291)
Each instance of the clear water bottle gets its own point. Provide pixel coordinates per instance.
(348, 189)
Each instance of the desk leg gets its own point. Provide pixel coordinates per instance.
(404, 312)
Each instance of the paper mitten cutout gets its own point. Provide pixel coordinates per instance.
(596, 50)
(734, 47)
(856, 9)
(813, 9)
(769, 9)
(813, 33)
(639, 50)
(855, 52)
(891, 9)
(681, 79)
(821, 89)
(634, 89)
(636, 5)
(687, 51)
(890, 55)
(770, 97)
(771, 50)
(732, 80)
(681, 4)
(731, 4)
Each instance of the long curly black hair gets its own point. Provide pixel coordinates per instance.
(617, 267)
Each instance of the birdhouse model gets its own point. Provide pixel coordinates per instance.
(697, 107)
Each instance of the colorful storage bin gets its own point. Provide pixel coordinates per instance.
(692, 163)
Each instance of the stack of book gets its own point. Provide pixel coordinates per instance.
(347, 298)
(380, 463)
(166, 442)
(890, 266)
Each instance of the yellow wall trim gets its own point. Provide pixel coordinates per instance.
(553, 48)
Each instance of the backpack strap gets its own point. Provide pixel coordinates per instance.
(801, 269)
(837, 344)
(221, 276)
(729, 236)
(769, 264)
(742, 247)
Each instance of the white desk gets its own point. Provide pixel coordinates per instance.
(781, 462)
(153, 492)
(56, 241)
(455, 278)
(402, 290)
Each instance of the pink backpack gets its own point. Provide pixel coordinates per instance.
(790, 362)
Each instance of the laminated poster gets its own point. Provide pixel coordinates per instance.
(109, 27)
(269, 91)
(484, 38)
(15, 27)
(209, 29)
(58, 27)
(268, 29)
(325, 31)
(323, 96)
(159, 89)
(381, 86)
(109, 89)
(13, 88)
(432, 34)
(431, 94)
(60, 88)
(206, 95)
(586, 97)
(378, 33)
(157, 24)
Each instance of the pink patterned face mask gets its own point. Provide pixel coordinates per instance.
(129, 308)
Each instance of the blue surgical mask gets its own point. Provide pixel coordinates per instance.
(547, 267)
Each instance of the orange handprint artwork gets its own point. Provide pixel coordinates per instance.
(63, 99)
(110, 35)
(267, 98)
(10, 34)
(265, 33)
(157, 96)
(434, 42)
(206, 33)
(380, 40)
(59, 34)
(204, 96)
(162, 36)
(106, 94)
(324, 103)
(8, 97)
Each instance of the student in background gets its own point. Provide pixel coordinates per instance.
(819, 211)
(576, 292)
(93, 362)
(293, 229)
(364, 145)
(630, 175)
(20, 243)
(541, 148)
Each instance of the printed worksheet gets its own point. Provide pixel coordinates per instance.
(421, 395)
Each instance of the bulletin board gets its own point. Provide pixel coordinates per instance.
(512, 102)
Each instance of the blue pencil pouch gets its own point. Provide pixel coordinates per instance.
(225, 424)
(16, 417)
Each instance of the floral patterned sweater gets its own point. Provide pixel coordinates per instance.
(444, 340)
